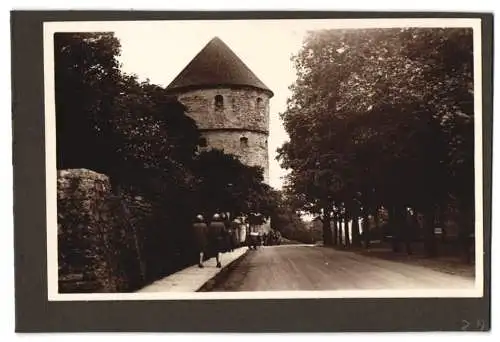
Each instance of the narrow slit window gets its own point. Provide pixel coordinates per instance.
(219, 101)
(260, 107)
(202, 142)
(244, 142)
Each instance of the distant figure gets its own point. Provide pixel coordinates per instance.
(216, 233)
(253, 240)
(227, 233)
(200, 230)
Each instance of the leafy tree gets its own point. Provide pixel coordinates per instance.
(132, 131)
(288, 222)
(154, 136)
(381, 117)
(317, 154)
(225, 184)
(419, 95)
(86, 78)
(157, 145)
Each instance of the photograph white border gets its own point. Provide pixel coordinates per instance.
(51, 172)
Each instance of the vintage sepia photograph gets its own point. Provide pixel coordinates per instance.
(247, 159)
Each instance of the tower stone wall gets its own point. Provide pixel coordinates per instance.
(240, 108)
(233, 119)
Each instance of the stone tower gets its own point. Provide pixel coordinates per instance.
(228, 102)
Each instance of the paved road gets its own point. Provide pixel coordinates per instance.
(312, 268)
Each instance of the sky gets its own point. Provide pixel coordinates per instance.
(160, 51)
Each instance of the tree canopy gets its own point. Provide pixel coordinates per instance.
(381, 117)
(86, 77)
(228, 185)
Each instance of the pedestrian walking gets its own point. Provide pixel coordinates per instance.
(216, 230)
(227, 233)
(200, 230)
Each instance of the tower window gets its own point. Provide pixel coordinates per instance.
(259, 106)
(202, 142)
(219, 101)
(244, 142)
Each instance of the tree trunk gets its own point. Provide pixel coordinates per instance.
(466, 232)
(366, 230)
(394, 228)
(347, 239)
(327, 231)
(401, 233)
(377, 223)
(429, 238)
(408, 232)
(335, 231)
(339, 231)
(356, 235)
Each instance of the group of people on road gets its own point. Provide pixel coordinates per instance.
(272, 238)
(256, 239)
(214, 236)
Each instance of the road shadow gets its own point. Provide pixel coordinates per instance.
(223, 275)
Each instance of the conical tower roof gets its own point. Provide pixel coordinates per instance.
(216, 65)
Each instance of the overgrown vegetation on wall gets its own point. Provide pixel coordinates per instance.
(97, 245)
